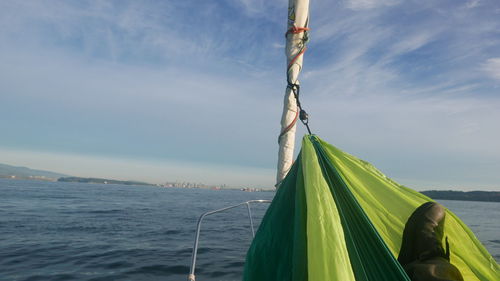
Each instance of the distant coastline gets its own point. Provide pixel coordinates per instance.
(24, 173)
(101, 181)
(483, 196)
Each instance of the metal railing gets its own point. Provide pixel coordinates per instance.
(191, 276)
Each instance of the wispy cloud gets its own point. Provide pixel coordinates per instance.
(202, 82)
(492, 68)
(472, 4)
(369, 4)
(443, 137)
(127, 31)
(413, 42)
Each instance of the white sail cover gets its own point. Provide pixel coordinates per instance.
(296, 38)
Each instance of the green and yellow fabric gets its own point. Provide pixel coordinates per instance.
(336, 217)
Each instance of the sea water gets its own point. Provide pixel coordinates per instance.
(75, 231)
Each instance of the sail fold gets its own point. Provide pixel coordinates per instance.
(296, 39)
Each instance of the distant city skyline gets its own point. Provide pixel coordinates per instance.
(192, 90)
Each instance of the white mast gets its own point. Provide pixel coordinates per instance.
(296, 38)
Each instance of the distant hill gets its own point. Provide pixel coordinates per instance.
(101, 181)
(8, 171)
(486, 196)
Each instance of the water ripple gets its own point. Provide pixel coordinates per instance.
(59, 231)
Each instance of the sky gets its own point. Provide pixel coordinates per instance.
(185, 90)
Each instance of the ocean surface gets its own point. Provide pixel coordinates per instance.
(75, 231)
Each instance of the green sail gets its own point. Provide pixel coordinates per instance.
(336, 217)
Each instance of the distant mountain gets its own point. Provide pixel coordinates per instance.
(8, 171)
(486, 196)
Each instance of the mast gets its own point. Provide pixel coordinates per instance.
(296, 39)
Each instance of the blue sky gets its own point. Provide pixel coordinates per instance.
(192, 90)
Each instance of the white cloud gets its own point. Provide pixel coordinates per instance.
(251, 6)
(261, 7)
(277, 45)
(369, 4)
(385, 88)
(425, 129)
(472, 4)
(120, 31)
(413, 42)
(430, 140)
(492, 68)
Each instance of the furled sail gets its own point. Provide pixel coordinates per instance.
(336, 217)
(296, 39)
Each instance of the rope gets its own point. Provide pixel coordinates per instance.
(296, 57)
(294, 87)
(289, 127)
(296, 30)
